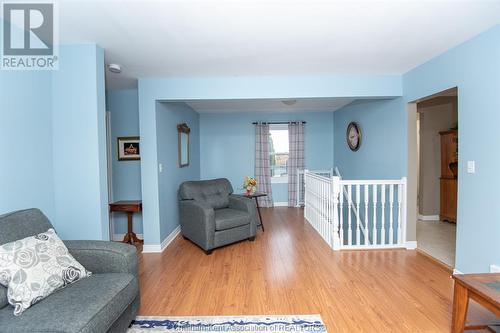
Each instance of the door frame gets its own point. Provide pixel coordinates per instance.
(109, 152)
(413, 162)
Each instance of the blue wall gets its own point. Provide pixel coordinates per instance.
(152, 90)
(473, 67)
(228, 145)
(79, 143)
(167, 117)
(55, 126)
(124, 108)
(382, 154)
(26, 134)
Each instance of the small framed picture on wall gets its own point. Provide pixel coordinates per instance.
(129, 148)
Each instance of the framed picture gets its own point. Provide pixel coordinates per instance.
(128, 148)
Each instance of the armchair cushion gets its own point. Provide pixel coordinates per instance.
(229, 218)
(104, 257)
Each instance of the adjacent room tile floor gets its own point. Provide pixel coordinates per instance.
(438, 240)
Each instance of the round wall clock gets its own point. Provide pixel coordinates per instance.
(353, 136)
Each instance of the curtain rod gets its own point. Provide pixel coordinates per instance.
(278, 122)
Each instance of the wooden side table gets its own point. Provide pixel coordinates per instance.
(130, 207)
(255, 196)
(482, 288)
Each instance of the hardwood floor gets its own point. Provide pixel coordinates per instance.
(289, 269)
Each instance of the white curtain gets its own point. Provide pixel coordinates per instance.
(262, 169)
(295, 159)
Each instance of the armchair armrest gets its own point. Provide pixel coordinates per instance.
(104, 257)
(197, 223)
(245, 204)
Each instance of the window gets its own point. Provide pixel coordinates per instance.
(278, 152)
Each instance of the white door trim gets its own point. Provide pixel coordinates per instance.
(109, 152)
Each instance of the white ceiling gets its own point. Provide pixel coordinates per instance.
(280, 37)
(268, 105)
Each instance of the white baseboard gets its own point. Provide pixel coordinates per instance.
(166, 242)
(281, 204)
(119, 237)
(456, 271)
(411, 245)
(428, 217)
(494, 268)
(154, 248)
(158, 248)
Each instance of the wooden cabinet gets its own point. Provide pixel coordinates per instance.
(448, 200)
(448, 180)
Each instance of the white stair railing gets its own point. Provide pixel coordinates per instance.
(380, 206)
(301, 182)
(384, 214)
(346, 194)
(321, 207)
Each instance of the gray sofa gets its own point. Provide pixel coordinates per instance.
(211, 216)
(105, 302)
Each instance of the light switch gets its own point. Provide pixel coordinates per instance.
(160, 168)
(471, 166)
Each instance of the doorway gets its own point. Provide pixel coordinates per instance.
(437, 175)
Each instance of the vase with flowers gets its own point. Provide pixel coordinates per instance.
(249, 185)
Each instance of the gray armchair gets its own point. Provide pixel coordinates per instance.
(107, 301)
(211, 216)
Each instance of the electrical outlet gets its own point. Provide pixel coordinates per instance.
(471, 166)
(160, 168)
(494, 269)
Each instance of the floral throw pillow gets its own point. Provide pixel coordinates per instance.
(34, 267)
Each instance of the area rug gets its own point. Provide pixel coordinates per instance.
(275, 324)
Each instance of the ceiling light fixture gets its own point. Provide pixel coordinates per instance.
(115, 68)
(289, 101)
